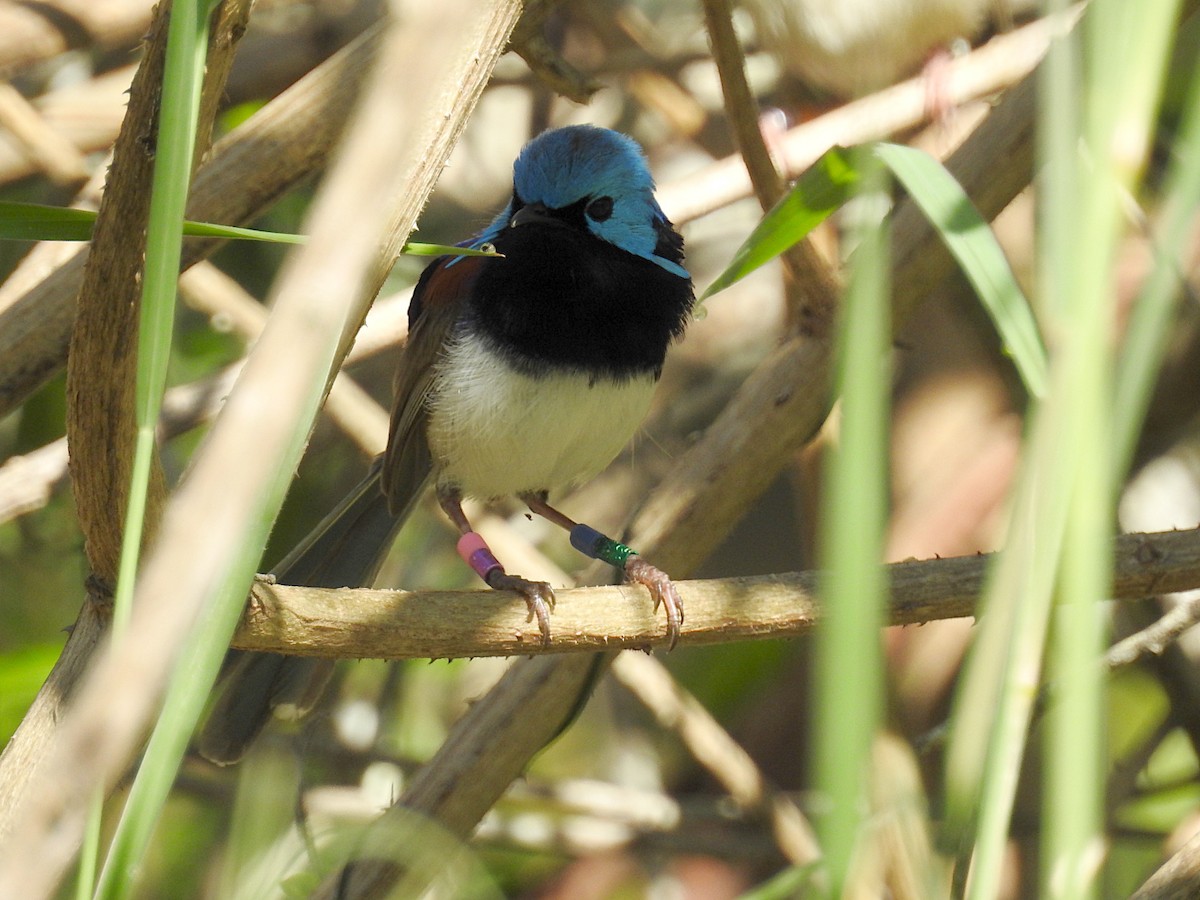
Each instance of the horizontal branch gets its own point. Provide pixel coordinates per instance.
(392, 624)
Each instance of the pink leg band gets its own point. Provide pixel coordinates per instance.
(476, 554)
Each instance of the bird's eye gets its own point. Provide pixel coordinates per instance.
(600, 209)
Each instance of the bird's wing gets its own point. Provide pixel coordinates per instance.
(435, 308)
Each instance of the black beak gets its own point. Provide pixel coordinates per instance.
(533, 214)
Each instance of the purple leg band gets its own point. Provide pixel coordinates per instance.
(476, 554)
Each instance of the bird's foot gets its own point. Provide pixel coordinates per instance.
(592, 543)
(662, 589)
(539, 597)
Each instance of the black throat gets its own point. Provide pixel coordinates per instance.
(562, 299)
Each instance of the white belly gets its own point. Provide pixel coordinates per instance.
(495, 432)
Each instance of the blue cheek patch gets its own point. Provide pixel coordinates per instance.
(673, 267)
(638, 239)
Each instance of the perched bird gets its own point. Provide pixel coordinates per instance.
(523, 373)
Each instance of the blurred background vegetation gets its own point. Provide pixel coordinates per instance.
(619, 805)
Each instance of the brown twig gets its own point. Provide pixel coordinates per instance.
(85, 116)
(1155, 638)
(45, 147)
(1178, 878)
(388, 624)
(529, 42)
(741, 106)
(810, 285)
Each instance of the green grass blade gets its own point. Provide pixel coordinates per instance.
(236, 233)
(264, 839)
(974, 246)
(994, 701)
(182, 80)
(1054, 572)
(790, 884)
(37, 222)
(89, 852)
(418, 846)
(1124, 52)
(849, 675)
(1150, 320)
(416, 248)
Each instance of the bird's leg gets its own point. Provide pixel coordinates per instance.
(593, 544)
(539, 596)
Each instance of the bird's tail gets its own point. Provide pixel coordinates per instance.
(346, 549)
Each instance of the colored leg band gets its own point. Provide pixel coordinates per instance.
(476, 554)
(590, 542)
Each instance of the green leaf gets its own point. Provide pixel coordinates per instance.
(813, 198)
(35, 222)
(970, 240)
(829, 184)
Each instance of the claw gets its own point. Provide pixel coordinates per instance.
(662, 589)
(539, 597)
